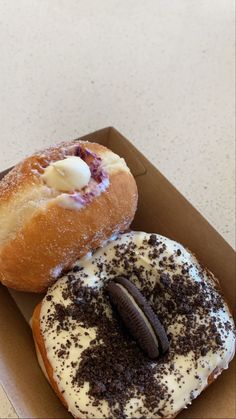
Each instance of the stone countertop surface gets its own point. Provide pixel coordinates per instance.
(162, 73)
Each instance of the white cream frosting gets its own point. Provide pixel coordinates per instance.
(194, 377)
(69, 174)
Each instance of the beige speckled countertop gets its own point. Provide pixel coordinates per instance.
(160, 72)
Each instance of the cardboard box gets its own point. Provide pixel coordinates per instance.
(161, 209)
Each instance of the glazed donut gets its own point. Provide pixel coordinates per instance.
(58, 205)
(92, 362)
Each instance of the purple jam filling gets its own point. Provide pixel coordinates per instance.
(94, 163)
(99, 181)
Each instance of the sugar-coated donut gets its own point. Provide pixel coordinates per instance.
(93, 363)
(56, 206)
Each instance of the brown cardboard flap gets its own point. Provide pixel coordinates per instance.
(122, 147)
(100, 136)
(2, 174)
(21, 376)
(25, 301)
(161, 209)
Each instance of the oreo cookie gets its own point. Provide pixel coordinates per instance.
(138, 317)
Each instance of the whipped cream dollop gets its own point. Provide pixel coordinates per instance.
(69, 174)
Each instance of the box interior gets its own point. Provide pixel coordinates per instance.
(161, 209)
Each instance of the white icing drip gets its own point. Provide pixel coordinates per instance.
(77, 398)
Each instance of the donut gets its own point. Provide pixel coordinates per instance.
(58, 205)
(95, 365)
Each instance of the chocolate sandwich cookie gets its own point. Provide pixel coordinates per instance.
(138, 317)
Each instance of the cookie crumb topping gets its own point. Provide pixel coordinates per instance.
(106, 372)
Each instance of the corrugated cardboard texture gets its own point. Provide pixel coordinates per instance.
(161, 209)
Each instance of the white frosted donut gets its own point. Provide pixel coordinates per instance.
(92, 362)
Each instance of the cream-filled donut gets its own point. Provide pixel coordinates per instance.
(56, 206)
(95, 366)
